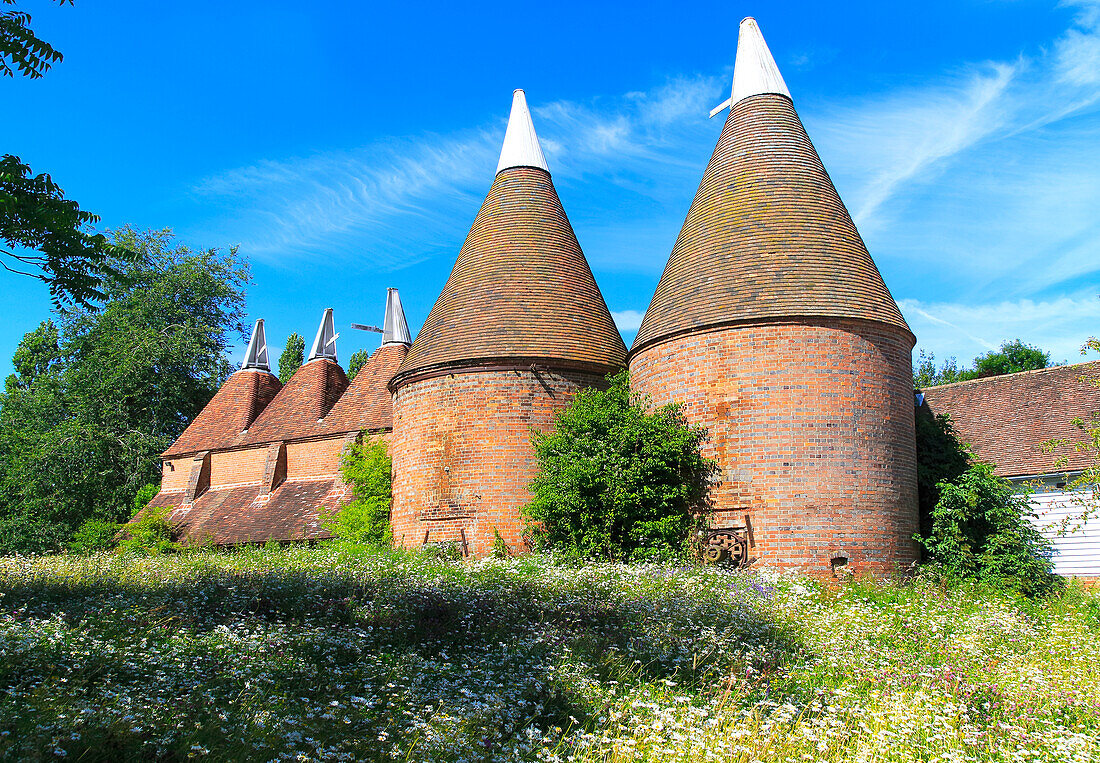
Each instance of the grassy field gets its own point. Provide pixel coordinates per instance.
(333, 654)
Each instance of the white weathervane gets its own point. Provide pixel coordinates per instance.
(754, 70)
(396, 330)
(324, 346)
(256, 354)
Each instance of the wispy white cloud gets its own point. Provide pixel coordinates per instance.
(628, 321)
(965, 331)
(388, 200)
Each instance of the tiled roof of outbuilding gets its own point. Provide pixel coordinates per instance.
(222, 423)
(231, 516)
(767, 236)
(300, 405)
(1006, 419)
(368, 403)
(521, 290)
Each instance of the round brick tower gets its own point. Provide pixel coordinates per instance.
(519, 328)
(773, 328)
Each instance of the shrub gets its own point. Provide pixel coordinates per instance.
(93, 535)
(150, 534)
(981, 531)
(144, 494)
(367, 468)
(940, 456)
(616, 479)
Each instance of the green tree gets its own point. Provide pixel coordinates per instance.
(358, 359)
(1013, 357)
(294, 354)
(21, 47)
(981, 531)
(47, 236)
(925, 374)
(96, 399)
(618, 480)
(368, 469)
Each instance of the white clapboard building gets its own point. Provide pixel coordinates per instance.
(1006, 419)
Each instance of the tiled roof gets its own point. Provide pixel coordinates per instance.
(233, 515)
(1007, 418)
(368, 403)
(521, 290)
(296, 410)
(222, 423)
(767, 236)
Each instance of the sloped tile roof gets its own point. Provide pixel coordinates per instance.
(521, 290)
(368, 403)
(233, 516)
(767, 236)
(1007, 418)
(297, 409)
(222, 423)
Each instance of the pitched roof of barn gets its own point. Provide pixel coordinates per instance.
(1006, 419)
(767, 236)
(224, 422)
(521, 290)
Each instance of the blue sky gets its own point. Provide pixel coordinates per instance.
(346, 147)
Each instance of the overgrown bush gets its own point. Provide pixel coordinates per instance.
(940, 456)
(367, 468)
(93, 535)
(149, 535)
(981, 531)
(618, 480)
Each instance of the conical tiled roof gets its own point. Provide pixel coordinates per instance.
(767, 236)
(367, 403)
(297, 410)
(225, 419)
(521, 291)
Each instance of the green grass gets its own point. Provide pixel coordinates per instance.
(336, 654)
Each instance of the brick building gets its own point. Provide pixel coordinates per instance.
(262, 460)
(771, 325)
(774, 329)
(1006, 419)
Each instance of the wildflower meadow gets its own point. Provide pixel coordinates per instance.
(334, 653)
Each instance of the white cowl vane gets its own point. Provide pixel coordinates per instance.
(324, 346)
(395, 330)
(754, 71)
(521, 145)
(256, 354)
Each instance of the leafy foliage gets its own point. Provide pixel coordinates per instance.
(93, 535)
(368, 469)
(1012, 357)
(1084, 489)
(358, 359)
(617, 480)
(981, 531)
(46, 234)
(294, 354)
(99, 395)
(940, 457)
(21, 48)
(150, 534)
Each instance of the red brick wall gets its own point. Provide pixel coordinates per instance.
(314, 458)
(174, 474)
(237, 467)
(813, 428)
(462, 454)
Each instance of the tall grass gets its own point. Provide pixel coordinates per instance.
(334, 653)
